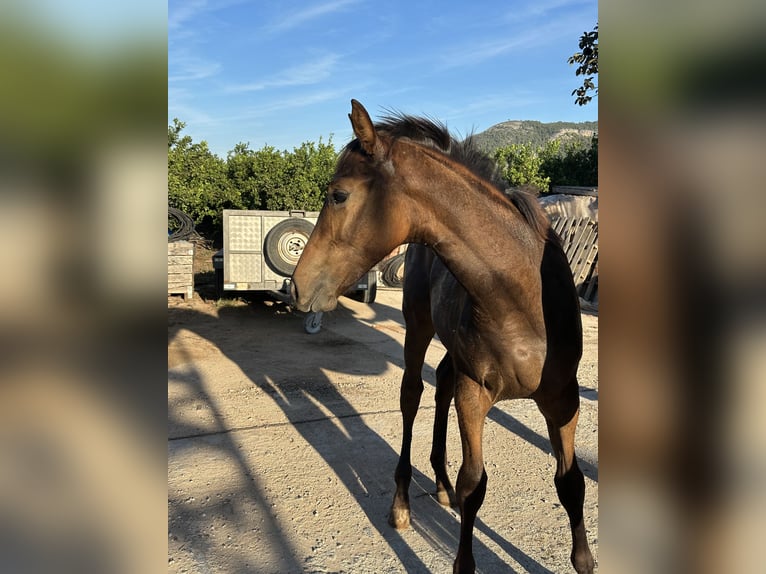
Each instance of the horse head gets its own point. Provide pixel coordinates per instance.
(362, 220)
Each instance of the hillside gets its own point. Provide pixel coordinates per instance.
(534, 132)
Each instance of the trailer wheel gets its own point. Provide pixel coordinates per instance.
(367, 295)
(312, 324)
(371, 292)
(285, 243)
(219, 283)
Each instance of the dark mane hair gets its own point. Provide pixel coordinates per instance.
(435, 134)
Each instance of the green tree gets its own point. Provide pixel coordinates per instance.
(270, 176)
(587, 58)
(555, 163)
(520, 165)
(303, 179)
(570, 163)
(241, 170)
(203, 185)
(197, 179)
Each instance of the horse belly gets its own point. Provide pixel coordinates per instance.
(514, 374)
(509, 367)
(508, 363)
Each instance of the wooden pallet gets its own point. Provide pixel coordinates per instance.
(579, 235)
(181, 268)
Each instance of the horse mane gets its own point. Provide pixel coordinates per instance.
(434, 134)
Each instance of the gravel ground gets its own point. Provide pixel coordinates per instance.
(282, 448)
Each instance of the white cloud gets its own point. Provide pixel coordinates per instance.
(527, 38)
(294, 19)
(191, 68)
(181, 12)
(301, 75)
(544, 7)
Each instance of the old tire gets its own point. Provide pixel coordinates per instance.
(285, 243)
(392, 271)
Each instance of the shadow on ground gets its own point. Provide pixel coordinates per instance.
(313, 405)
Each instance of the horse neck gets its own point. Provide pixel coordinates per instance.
(481, 237)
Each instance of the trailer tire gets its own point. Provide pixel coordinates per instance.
(285, 243)
(219, 283)
(367, 295)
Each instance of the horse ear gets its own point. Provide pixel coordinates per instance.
(364, 130)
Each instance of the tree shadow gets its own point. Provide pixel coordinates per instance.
(496, 414)
(184, 511)
(518, 428)
(361, 459)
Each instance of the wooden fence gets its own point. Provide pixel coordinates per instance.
(579, 236)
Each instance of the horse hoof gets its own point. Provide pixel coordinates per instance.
(583, 564)
(399, 518)
(464, 566)
(445, 498)
(442, 498)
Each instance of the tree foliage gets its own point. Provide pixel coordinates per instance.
(587, 58)
(520, 165)
(197, 179)
(303, 183)
(571, 163)
(203, 185)
(555, 163)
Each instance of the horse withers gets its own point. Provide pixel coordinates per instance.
(484, 271)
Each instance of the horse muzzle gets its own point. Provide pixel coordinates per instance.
(315, 300)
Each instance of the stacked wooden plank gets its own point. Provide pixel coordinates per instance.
(181, 268)
(579, 236)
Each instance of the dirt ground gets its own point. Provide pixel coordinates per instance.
(282, 448)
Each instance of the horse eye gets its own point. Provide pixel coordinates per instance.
(338, 196)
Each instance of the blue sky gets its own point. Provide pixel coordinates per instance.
(282, 73)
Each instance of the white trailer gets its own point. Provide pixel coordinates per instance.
(260, 251)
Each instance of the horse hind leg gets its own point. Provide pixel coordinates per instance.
(569, 480)
(417, 338)
(445, 390)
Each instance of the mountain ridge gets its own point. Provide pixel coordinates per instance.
(533, 132)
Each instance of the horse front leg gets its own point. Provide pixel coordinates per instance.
(472, 404)
(416, 342)
(445, 390)
(569, 479)
(412, 388)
